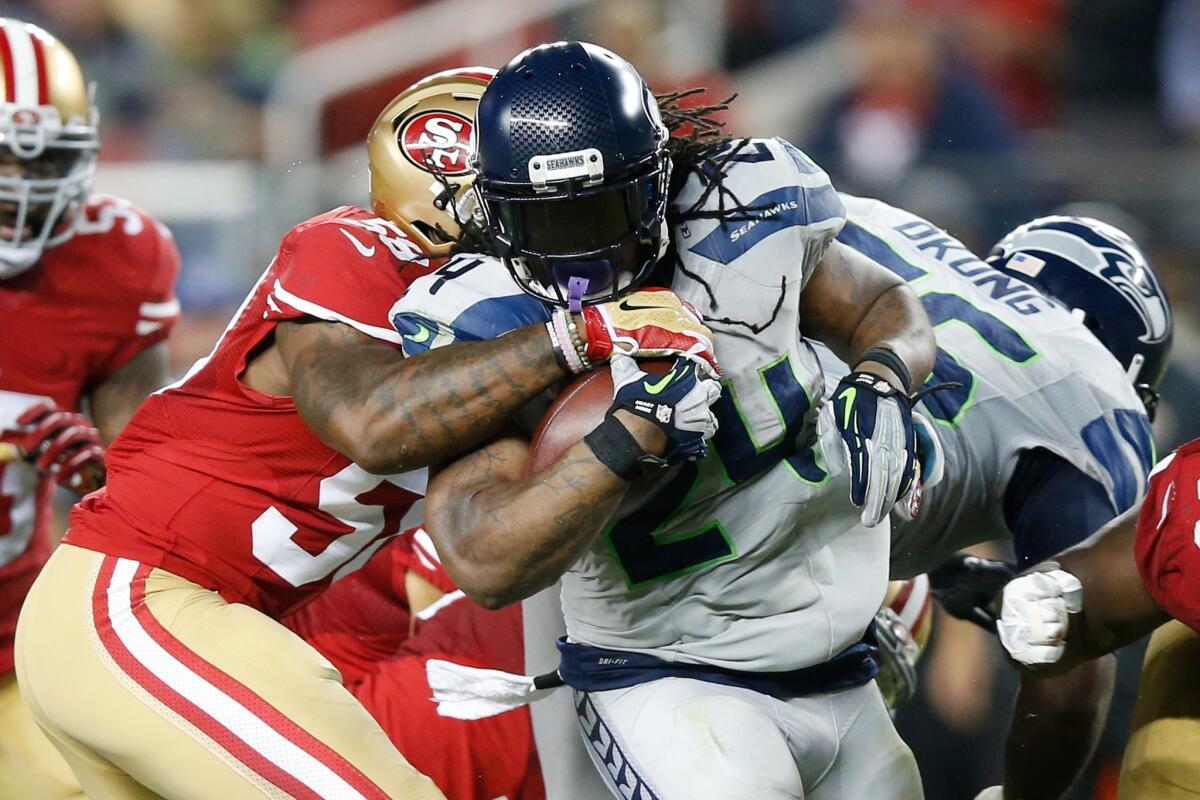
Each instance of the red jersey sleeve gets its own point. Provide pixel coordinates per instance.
(1167, 542)
(344, 267)
(413, 551)
(144, 267)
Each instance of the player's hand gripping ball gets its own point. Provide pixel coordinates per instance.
(63, 444)
(650, 323)
(875, 421)
(677, 401)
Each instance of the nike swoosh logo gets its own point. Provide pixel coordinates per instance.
(422, 335)
(655, 388)
(848, 396)
(365, 252)
(625, 305)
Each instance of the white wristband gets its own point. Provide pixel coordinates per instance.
(558, 322)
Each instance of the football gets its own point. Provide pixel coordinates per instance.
(576, 412)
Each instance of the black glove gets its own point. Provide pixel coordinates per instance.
(969, 587)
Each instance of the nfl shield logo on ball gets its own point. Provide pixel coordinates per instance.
(663, 414)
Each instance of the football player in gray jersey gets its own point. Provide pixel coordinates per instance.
(1057, 343)
(718, 638)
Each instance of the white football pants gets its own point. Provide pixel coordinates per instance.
(683, 739)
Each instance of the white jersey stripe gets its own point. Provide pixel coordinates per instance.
(431, 610)
(25, 74)
(243, 723)
(320, 312)
(164, 310)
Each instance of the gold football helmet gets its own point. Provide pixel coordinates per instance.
(902, 629)
(48, 143)
(418, 152)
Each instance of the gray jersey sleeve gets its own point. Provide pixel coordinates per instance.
(471, 297)
(775, 202)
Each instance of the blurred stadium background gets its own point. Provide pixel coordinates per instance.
(233, 120)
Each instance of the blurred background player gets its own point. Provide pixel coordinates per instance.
(1113, 589)
(278, 463)
(902, 628)
(671, 612)
(87, 298)
(1058, 344)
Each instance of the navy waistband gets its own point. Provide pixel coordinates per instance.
(597, 669)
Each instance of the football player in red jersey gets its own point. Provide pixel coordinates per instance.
(282, 461)
(87, 298)
(1127, 580)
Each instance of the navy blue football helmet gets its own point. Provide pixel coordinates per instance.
(571, 171)
(1098, 272)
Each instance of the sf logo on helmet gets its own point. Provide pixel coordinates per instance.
(439, 138)
(26, 118)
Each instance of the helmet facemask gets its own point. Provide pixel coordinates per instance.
(48, 145)
(39, 199)
(579, 241)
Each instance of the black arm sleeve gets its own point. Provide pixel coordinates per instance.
(1051, 505)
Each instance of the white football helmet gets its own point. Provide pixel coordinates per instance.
(48, 144)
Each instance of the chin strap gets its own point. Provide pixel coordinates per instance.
(576, 289)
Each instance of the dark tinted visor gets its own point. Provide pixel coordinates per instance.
(575, 225)
(54, 162)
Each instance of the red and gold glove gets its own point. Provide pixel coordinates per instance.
(650, 323)
(63, 444)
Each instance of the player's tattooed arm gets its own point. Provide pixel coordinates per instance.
(853, 304)
(114, 401)
(503, 536)
(390, 414)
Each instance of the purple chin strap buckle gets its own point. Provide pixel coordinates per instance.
(582, 276)
(576, 289)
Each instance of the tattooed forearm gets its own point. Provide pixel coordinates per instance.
(504, 536)
(391, 414)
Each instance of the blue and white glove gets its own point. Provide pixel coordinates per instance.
(875, 421)
(677, 401)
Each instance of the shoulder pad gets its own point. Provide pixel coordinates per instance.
(470, 298)
(132, 253)
(778, 188)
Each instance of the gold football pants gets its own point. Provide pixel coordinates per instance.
(1162, 760)
(152, 686)
(29, 765)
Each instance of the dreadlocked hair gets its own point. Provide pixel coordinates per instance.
(699, 146)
